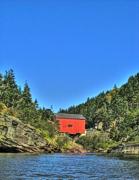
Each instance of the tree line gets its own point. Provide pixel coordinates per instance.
(115, 111)
(18, 102)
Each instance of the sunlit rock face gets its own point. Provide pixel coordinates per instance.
(16, 136)
(132, 149)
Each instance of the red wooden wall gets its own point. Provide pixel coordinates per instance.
(71, 126)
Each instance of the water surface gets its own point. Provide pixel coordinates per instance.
(61, 166)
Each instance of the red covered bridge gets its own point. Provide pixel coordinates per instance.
(71, 123)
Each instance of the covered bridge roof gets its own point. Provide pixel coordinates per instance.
(70, 116)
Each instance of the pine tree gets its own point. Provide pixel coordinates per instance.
(26, 95)
(27, 108)
(10, 92)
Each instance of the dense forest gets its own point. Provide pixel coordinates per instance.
(19, 103)
(112, 116)
(115, 112)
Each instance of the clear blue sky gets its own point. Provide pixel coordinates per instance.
(68, 50)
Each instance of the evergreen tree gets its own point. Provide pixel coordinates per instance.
(26, 107)
(10, 92)
(26, 96)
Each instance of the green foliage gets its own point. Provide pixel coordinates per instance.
(63, 141)
(9, 91)
(96, 140)
(128, 128)
(19, 103)
(3, 108)
(116, 109)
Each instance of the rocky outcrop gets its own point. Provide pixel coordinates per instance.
(15, 136)
(75, 149)
(129, 149)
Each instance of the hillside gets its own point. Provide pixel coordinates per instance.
(112, 117)
(115, 112)
(23, 123)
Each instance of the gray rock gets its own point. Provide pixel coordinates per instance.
(15, 136)
(131, 149)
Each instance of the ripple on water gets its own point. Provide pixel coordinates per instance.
(61, 166)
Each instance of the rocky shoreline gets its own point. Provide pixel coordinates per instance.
(126, 149)
(16, 136)
(122, 149)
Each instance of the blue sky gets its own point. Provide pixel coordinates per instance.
(69, 50)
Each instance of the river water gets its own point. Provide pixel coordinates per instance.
(64, 167)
